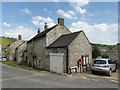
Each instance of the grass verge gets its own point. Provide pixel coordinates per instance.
(11, 63)
(14, 64)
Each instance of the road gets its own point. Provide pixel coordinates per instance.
(20, 78)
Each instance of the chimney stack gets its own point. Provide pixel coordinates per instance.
(46, 26)
(61, 21)
(19, 37)
(38, 30)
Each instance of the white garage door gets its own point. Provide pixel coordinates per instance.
(56, 62)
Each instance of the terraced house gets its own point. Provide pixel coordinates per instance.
(114, 53)
(56, 48)
(15, 51)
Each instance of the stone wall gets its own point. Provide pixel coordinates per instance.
(20, 52)
(114, 52)
(55, 34)
(59, 50)
(80, 46)
(30, 53)
(10, 50)
(40, 56)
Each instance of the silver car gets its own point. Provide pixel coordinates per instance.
(3, 59)
(103, 65)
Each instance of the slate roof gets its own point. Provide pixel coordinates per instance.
(118, 43)
(20, 44)
(42, 33)
(64, 40)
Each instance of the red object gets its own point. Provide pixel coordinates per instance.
(93, 64)
(81, 61)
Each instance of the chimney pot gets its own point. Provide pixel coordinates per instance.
(46, 26)
(38, 30)
(19, 37)
(61, 21)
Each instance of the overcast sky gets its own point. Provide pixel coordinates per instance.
(99, 20)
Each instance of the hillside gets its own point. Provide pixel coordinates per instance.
(102, 46)
(4, 41)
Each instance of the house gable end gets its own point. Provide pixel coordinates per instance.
(42, 34)
(64, 40)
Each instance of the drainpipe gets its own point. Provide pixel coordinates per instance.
(67, 61)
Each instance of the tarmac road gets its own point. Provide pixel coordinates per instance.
(20, 78)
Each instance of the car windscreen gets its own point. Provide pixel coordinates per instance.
(99, 62)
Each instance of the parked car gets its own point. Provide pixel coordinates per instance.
(103, 65)
(3, 59)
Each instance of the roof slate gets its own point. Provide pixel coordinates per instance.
(64, 40)
(42, 33)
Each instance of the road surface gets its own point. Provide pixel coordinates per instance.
(20, 78)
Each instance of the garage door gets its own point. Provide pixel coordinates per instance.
(56, 62)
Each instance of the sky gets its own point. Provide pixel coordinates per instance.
(99, 20)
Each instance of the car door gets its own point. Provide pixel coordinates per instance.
(111, 64)
(114, 65)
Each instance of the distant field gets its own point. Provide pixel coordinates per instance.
(102, 45)
(4, 41)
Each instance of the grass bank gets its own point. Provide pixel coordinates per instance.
(14, 64)
(11, 63)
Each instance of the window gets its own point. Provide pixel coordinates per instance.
(110, 61)
(26, 58)
(85, 59)
(99, 62)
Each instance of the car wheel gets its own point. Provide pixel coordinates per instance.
(114, 70)
(92, 72)
(110, 72)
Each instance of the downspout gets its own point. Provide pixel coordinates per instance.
(67, 61)
(16, 54)
(33, 56)
(27, 54)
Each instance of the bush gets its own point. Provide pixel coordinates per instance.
(95, 52)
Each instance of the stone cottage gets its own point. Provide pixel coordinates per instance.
(72, 46)
(56, 48)
(36, 47)
(11, 49)
(20, 53)
(114, 53)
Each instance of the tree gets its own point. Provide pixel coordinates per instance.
(95, 52)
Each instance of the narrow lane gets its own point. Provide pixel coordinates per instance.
(20, 78)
